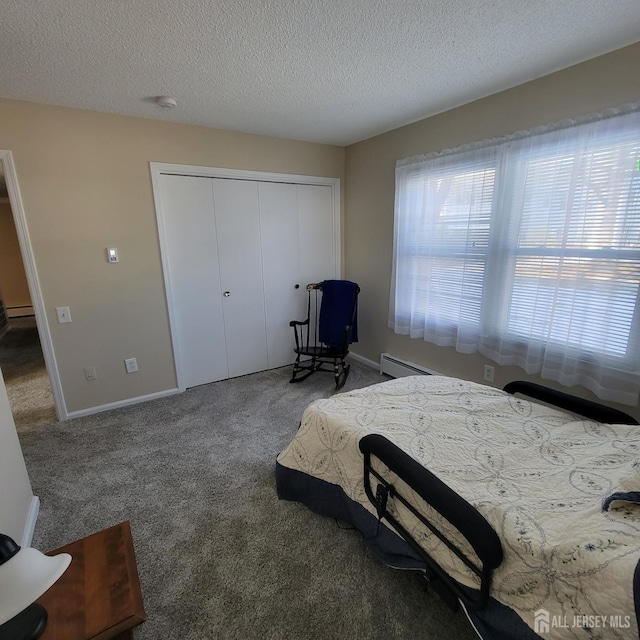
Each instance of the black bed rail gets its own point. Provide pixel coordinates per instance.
(455, 509)
(573, 404)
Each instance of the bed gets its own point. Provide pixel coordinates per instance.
(525, 513)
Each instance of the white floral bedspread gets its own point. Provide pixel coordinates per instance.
(537, 474)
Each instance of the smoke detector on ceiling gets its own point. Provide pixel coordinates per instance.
(166, 102)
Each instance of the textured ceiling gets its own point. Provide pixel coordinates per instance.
(334, 71)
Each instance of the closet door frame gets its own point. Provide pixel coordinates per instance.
(160, 168)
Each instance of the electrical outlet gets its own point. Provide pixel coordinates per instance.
(489, 373)
(90, 373)
(131, 365)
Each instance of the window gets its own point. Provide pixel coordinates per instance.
(527, 250)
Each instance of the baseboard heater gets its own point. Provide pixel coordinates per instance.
(20, 312)
(397, 368)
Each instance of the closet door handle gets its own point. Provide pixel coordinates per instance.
(226, 294)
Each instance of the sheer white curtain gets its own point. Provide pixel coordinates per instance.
(527, 250)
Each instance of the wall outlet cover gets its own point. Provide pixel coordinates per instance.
(489, 373)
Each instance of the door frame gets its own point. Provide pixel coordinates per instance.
(31, 271)
(160, 168)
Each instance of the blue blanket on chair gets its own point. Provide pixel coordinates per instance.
(339, 305)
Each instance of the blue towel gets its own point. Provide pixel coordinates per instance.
(339, 299)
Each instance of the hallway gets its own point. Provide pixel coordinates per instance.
(25, 375)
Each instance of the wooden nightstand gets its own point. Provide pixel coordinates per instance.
(98, 597)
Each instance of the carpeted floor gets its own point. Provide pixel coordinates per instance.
(219, 555)
(25, 375)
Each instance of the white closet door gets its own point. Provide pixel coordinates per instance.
(254, 240)
(235, 204)
(192, 258)
(316, 233)
(281, 269)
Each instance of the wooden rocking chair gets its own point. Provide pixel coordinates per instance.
(331, 325)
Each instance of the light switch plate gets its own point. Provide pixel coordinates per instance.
(112, 254)
(64, 315)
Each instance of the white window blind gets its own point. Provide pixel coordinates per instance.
(527, 250)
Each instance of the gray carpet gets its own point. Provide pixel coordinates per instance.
(219, 556)
(25, 375)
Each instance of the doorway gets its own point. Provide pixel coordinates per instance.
(26, 354)
(25, 374)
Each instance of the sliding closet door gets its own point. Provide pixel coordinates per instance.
(191, 256)
(235, 203)
(316, 233)
(297, 248)
(281, 269)
(238, 255)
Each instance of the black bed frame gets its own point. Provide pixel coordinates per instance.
(455, 509)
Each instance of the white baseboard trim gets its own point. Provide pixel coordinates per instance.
(364, 361)
(30, 525)
(121, 403)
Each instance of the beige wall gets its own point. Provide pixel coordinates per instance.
(608, 81)
(85, 184)
(13, 280)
